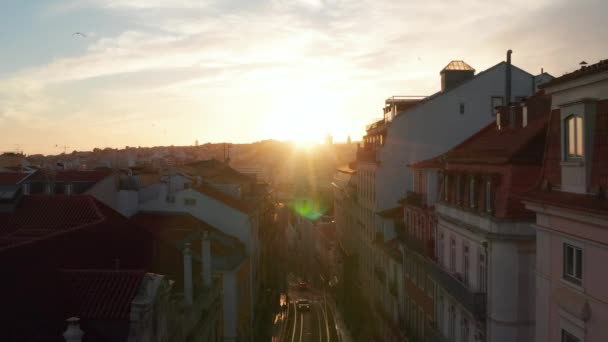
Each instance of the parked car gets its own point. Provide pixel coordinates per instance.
(304, 304)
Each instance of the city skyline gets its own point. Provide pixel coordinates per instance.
(149, 73)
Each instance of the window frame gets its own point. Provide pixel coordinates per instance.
(577, 264)
(472, 197)
(576, 134)
(189, 201)
(488, 189)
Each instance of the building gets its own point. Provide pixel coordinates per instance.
(484, 237)
(414, 129)
(223, 278)
(572, 212)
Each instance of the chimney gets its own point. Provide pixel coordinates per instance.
(508, 89)
(73, 333)
(188, 288)
(206, 260)
(455, 73)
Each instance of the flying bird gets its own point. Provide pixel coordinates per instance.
(79, 34)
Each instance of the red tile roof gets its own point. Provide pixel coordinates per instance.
(12, 178)
(552, 176)
(601, 66)
(100, 294)
(72, 176)
(432, 163)
(39, 217)
(491, 145)
(233, 202)
(569, 200)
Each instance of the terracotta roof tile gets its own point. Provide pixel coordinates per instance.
(569, 200)
(12, 178)
(100, 294)
(72, 176)
(39, 217)
(491, 145)
(432, 163)
(601, 66)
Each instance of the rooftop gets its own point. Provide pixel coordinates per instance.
(459, 66)
(99, 294)
(39, 217)
(586, 70)
(233, 202)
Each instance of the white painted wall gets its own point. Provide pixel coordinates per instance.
(106, 191)
(127, 202)
(437, 125)
(228, 220)
(230, 305)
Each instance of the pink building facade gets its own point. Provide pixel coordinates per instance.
(572, 211)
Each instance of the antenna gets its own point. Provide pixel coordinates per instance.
(65, 147)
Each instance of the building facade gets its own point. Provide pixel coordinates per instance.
(572, 212)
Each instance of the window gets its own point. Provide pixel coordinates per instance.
(170, 198)
(465, 264)
(461, 107)
(489, 196)
(524, 116)
(464, 336)
(568, 337)
(496, 101)
(452, 323)
(458, 190)
(68, 189)
(452, 254)
(472, 193)
(574, 136)
(440, 311)
(483, 271)
(421, 321)
(26, 188)
(430, 287)
(440, 249)
(189, 201)
(445, 187)
(573, 264)
(48, 188)
(421, 277)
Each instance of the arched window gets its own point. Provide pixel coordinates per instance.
(472, 197)
(574, 136)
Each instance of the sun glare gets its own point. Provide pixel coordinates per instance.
(304, 116)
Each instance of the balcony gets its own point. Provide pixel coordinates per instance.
(474, 302)
(425, 248)
(415, 198)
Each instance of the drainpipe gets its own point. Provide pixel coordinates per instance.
(188, 288)
(206, 260)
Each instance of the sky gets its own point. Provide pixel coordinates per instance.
(155, 72)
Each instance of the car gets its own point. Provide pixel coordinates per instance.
(304, 304)
(302, 286)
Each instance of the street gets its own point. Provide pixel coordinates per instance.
(314, 324)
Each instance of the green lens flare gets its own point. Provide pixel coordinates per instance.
(311, 209)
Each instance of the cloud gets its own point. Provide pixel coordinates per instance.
(194, 55)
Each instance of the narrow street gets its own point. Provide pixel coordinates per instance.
(299, 324)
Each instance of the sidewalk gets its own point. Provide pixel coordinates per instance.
(343, 333)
